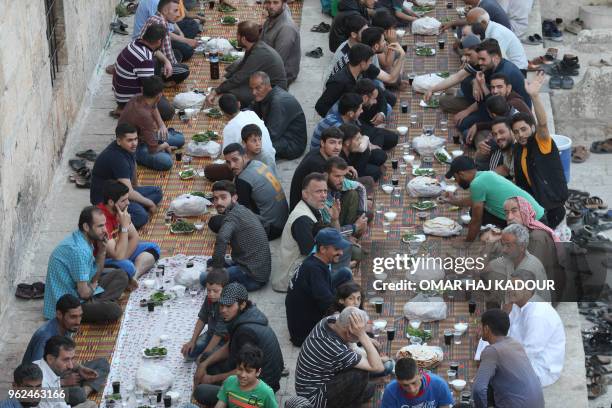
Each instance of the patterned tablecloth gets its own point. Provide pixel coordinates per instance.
(142, 329)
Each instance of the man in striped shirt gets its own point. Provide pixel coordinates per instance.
(136, 62)
(328, 372)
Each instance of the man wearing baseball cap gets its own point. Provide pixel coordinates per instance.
(452, 103)
(488, 192)
(245, 324)
(312, 289)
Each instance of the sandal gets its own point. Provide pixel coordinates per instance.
(534, 39)
(603, 146)
(316, 53)
(24, 291)
(555, 82)
(551, 54)
(567, 83)
(38, 290)
(580, 154)
(116, 28)
(594, 203)
(77, 164)
(321, 28)
(595, 390)
(88, 154)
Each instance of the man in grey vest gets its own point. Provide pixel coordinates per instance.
(258, 189)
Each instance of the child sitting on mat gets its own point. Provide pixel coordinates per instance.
(216, 334)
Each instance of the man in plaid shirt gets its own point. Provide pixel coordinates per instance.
(173, 71)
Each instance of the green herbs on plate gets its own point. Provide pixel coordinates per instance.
(423, 205)
(182, 226)
(204, 137)
(155, 352)
(424, 172)
(425, 51)
(228, 58)
(214, 113)
(229, 20)
(411, 331)
(226, 8)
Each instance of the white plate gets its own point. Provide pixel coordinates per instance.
(429, 174)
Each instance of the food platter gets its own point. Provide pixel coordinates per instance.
(425, 356)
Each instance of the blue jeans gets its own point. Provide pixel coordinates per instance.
(127, 265)
(139, 214)
(236, 273)
(161, 161)
(202, 343)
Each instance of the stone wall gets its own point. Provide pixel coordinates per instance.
(36, 116)
(566, 9)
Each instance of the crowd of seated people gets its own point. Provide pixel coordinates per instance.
(516, 183)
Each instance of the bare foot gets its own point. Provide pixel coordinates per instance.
(132, 285)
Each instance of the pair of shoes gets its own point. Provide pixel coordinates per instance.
(88, 154)
(322, 27)
(316, 53)
(119, 28)
(551, 31)
(575, 26)
(33, 291)
(559, 82)
(602, 146)
(533, 39)
(568, 66)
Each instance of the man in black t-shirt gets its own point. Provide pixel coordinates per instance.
(118, 162)
(359, 66)
(496, 153)
(314, 161)
(312, 289)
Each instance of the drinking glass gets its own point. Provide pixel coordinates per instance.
(415, 323)
(452, 374)
(193, 292)
(417, 341)
(448, 336)
(386, 227)
(139, 395)
(457, 336)
(413, 118)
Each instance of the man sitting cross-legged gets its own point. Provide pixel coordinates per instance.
(331, 374)
(172, 70)
(117, 162)
(73, 269)
(57, 363)
(91, 375)
(246, 325)
(134, 64)
(242, 229)
(259, 56)
(414, 388)
(124, 250)
(155, 141)
(312, 289)
(258, 189)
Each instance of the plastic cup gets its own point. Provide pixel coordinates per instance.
(457, 336)
(404, 107)
(452, 374)
(448, 337)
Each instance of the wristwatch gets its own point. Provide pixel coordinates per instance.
(124, 229)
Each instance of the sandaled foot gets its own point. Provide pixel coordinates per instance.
(602, 146)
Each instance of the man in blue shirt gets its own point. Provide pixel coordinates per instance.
(66, 323)
(73, 269)
(415, 389)
(26, 377)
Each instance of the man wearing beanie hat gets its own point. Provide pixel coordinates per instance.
(452, 103)
(488, 192)
(312, 289)
(245, 324)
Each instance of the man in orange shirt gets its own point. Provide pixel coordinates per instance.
(537, 164)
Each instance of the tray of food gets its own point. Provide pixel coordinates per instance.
(182, 227)
(229, 20)
(425, 356)
(424, 205)
(423, 172)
